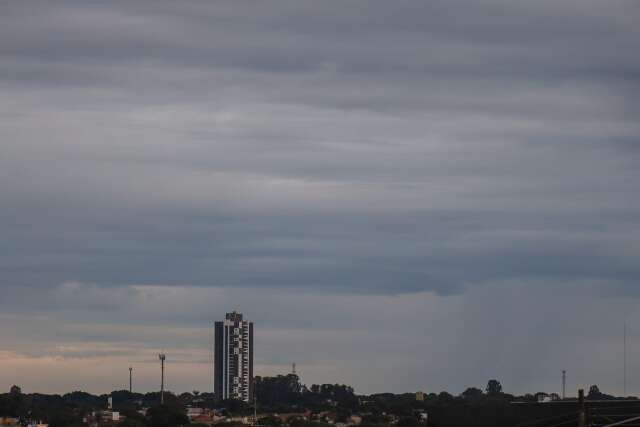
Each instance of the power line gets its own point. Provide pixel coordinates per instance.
(623, 422)
(541, 420)
(571, 421)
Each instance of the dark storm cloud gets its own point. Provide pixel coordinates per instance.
(462, 112)
(352, 151)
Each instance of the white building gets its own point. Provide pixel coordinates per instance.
(233, 358)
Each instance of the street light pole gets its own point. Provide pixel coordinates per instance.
(255, 404)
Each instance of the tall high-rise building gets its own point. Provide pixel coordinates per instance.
(233, 358)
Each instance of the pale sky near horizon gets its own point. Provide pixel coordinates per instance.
(406, 195)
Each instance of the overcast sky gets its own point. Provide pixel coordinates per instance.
(402, 195)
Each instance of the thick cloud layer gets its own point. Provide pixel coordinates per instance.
(422, 152)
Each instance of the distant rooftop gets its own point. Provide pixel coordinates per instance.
(234, 316)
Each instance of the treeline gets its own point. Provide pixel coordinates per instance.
(285, 393)
(490, 406)
(321, 403)
(70, 409)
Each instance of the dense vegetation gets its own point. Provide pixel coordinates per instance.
(326, 403)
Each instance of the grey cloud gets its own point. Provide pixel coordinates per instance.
(456, 341)
(358, 150)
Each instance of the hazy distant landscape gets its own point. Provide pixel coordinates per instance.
(284, 401)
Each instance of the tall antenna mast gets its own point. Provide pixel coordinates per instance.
(161, 356)
(564, 383)
(130, 379)
(624, 361)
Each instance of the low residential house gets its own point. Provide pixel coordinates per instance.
(354, 420)
(8, 421)
(194, 412)
(286, 417)
(243, 420)
(328, 417)
(206, 418)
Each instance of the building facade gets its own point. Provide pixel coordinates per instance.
(233, 358)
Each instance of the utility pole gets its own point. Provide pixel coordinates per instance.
(130, 379)
(161, 356)
(582, 416)
(564, 383)
(255, 404)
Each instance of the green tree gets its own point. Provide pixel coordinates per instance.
(472, 393)
(237, 407)
(270, 421)
(445, 397)
(131, 422)
(166, 416)
(408, 422)
(494, 387)
(281, 389)
(132, 418)
(65, 418)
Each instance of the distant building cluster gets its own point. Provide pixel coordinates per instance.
(15, 422)
(233, 381)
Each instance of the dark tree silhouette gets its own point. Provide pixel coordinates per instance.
(166, 416)
(494, 387)
(472, 393)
